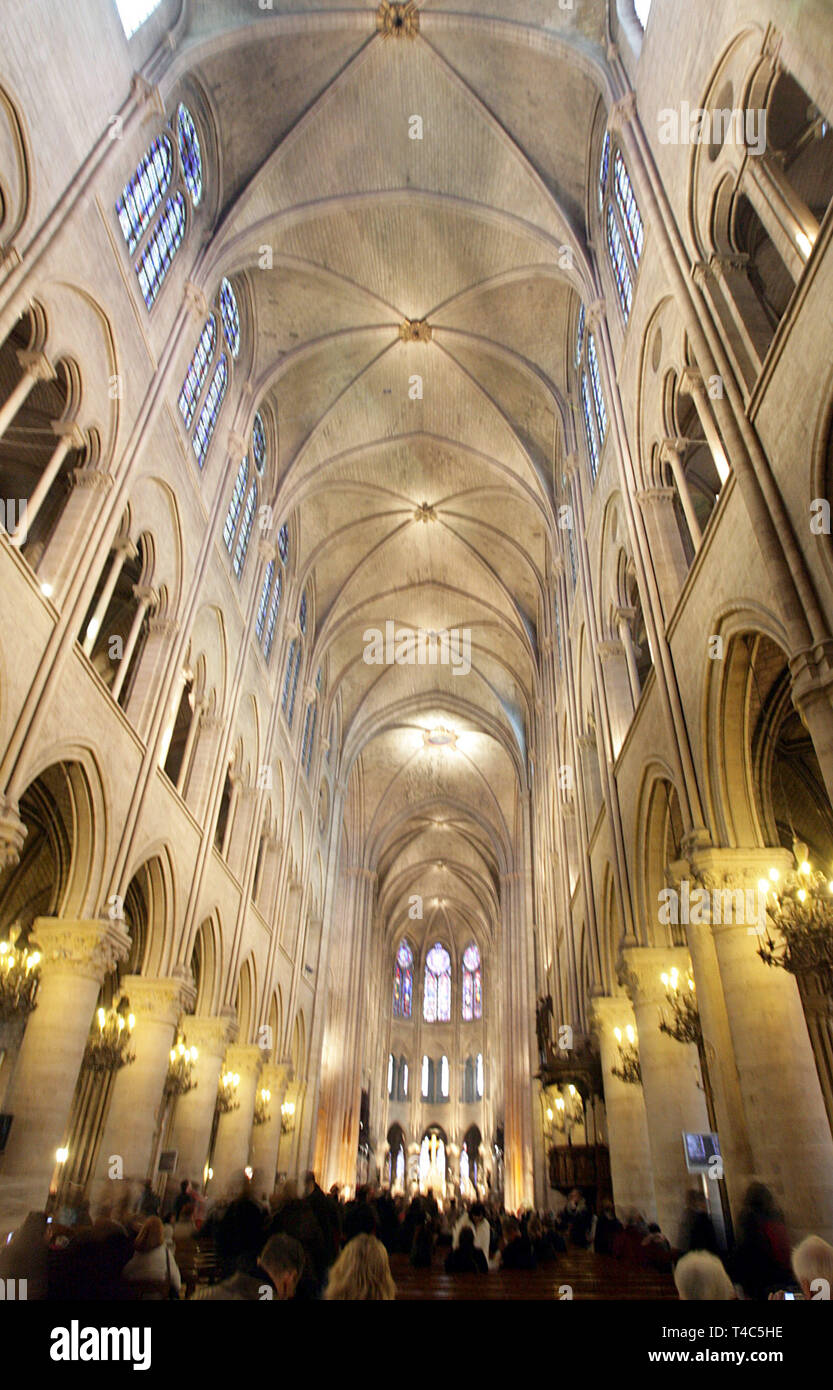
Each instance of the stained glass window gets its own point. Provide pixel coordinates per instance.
(627, 206)
(571, 550)
(241, 549)
(580, 334)
(259, 443)
(302, 614)
(479, 1075)
(283, 543)
(596, 384)
(618, 260)
(472, 990)
(263, 605)
(305, 739)
(189, 153)
(603, 167)
(207, 420)
(166, 238)
(233, 514)
(133, 14)
(592, 446)
(290, 662)
(437, 995)
(273, 615)
(558, 639)
(197, 371)
(290, 713)
(403, 979)
(142, 195)
(312, 738)
(230, 315)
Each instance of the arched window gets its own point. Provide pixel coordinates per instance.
(436, 1003)
(402, 1085)
(472, 984)
(624, 230)
(230, 315)
(468, 1082)
(189, 153)
(443, 1078)
(593, 407)
(287, 680)
(143, 193)
(478, 1072)
(233, 514)
(263, 605)
(204, 432)
(390, 1076)
(428, 1079)
(274, 606)
(241, 549)
(133, 14)
(259, 444)
(283, 544)
(166, 239)
(197, 371)
(403, 982)
(310, 724)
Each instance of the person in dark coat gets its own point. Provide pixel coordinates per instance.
(325, 1212)
(466, 1259)
(293, 1217)
(517, 1251)
(761, 1260)
(697, 1229)
(239, 1230)
(607, 1228)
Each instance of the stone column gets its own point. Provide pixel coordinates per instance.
(786, 218)
(666, 545)
(627, 1124)
(266, 1137)
(618, 690)
(240, 828)
(76, 956)
(139, 710)
(36, 367)
(124, 550)
(673, 453)
(674, 1100)
(691, 381)
(57, 565)
(789, 1133)
(234, 1130)
(203, 764)
(194, 1113)
(69, 437)
(145, 598)
(130, 1127)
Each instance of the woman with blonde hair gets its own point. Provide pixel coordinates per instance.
(362, 1271)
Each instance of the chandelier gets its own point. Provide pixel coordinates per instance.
(628, 1068)
(109, 1050)
(227, 1092)
(19, 978)
(180, 1078)
(801, 907)
(684, 1024)
(262, 1099)
(287, 1117)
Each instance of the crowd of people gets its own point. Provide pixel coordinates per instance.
(314, 1244)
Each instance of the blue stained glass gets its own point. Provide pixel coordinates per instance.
(472, 996)
(290, 713)
(263, 605)
(197, 371)
(302, 614)
(273, 615)
(290, 661)
(603, 167)
(230, 315)
(618, 260)
(165, 241)
(437, 995)
(245, 536)
(558, 634)
(312, 739)
(580, 334)
(627, 206)
(259, 443)
(596, 383)
(429, 1002)
(592, 446)
(189, 153)
(233, 515)
(283, 543)
(211, 409)
(142, 195)
(305, 739)
(319, 679)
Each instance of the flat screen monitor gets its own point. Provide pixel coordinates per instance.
(699, 1148)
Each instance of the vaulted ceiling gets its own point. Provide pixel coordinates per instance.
(430, 505)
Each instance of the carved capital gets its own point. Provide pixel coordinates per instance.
(147, 96)
(644, 967)
(267, 550)
(609, 648)
(144, 593)
(163, 627)
(88, 948)
(691, 380)
(236, 446)
(622, 112)
(656, 494)
(245, 1058)
(12, 834)
(196, 301)
(156, 1001)
(210, 1035)
(36, 364)
(91, 478)
(595, 311)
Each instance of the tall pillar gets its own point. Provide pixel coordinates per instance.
(789, 1133)
(69, 437)
(673, 452)
(36, 368)
(666, 545)
(240, 828)
(194, 1113)
(130, 1128)
(124, 550)
(83, 503)
(145, 598)
(76, 956)
(139, 710)
(674, 1101)
(618, 689)
(234, 1130)
(204, 763)
(266, 1137)
(627, 1123)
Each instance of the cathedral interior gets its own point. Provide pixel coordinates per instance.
(416, 647)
